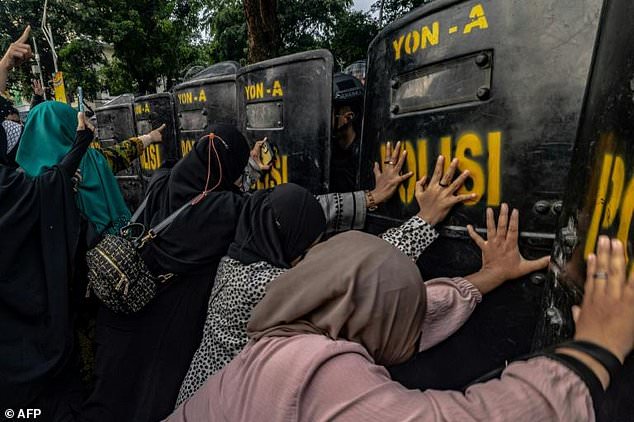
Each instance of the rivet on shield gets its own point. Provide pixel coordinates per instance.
(541, 207)
(483, 93)
(482, 59)
(538, 278)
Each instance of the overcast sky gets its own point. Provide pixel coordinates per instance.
(363, 4)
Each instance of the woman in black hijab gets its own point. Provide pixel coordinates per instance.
(39, 258)
(276, 228)
(143, 357)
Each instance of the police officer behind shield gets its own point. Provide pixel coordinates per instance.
(347, 115)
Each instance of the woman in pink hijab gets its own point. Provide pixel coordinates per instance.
(325, 329)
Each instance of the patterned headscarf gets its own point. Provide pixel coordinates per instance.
(13, 131)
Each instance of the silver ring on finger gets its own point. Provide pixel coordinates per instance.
(444, 185)
(601, 275)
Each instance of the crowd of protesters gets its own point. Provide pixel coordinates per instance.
(277, 307)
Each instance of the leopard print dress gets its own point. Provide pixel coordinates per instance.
(238, 288)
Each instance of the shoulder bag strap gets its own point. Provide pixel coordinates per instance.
(139, 210)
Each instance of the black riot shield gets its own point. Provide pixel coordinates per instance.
(115, 123)
(600, 191)
(151, 111)
(288, 101)
(206, 99)
(498, 85)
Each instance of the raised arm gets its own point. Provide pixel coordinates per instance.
(18, 52)
(121, 155)
(38, 93)
(85, 135)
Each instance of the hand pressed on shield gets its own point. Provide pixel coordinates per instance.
(386, 181)
(436, 198)
(501, 257)
(606, 315)
(256, 155)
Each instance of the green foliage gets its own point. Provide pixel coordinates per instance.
(115, 77)
(152, 39)
(159, 40)
(228, 32)
(304, 25)
(394, 9)
(79, 60)
(354, 32)
(15, 15)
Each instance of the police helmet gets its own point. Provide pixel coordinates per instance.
(346, 89)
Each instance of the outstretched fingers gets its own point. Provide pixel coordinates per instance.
(616, 271)
(459, 182)
(401, 161)
(476, 237)
(376, 169)
(457, 199)
(435, 178)
(491, 230)
(536, 264)
(451, 171)
(396, 153)
(25, 35)
(603, 265)
(503, 221)
(591, 268)
(513, 233)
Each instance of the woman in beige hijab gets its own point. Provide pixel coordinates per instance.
(324, 330)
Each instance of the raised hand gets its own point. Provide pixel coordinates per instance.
(501, 257)
(18, 52)
(386, 181)
(436, 198)
(37, 88)
(156, 136)
(84, 123)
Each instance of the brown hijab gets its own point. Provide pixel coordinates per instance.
(353, 287)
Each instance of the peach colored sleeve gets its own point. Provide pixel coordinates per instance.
(450, 303)
(350, 388)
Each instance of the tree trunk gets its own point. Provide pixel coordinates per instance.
(263, 29)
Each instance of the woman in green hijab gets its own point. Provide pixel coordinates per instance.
(47, 137)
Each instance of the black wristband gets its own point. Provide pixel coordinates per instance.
(602, 355)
